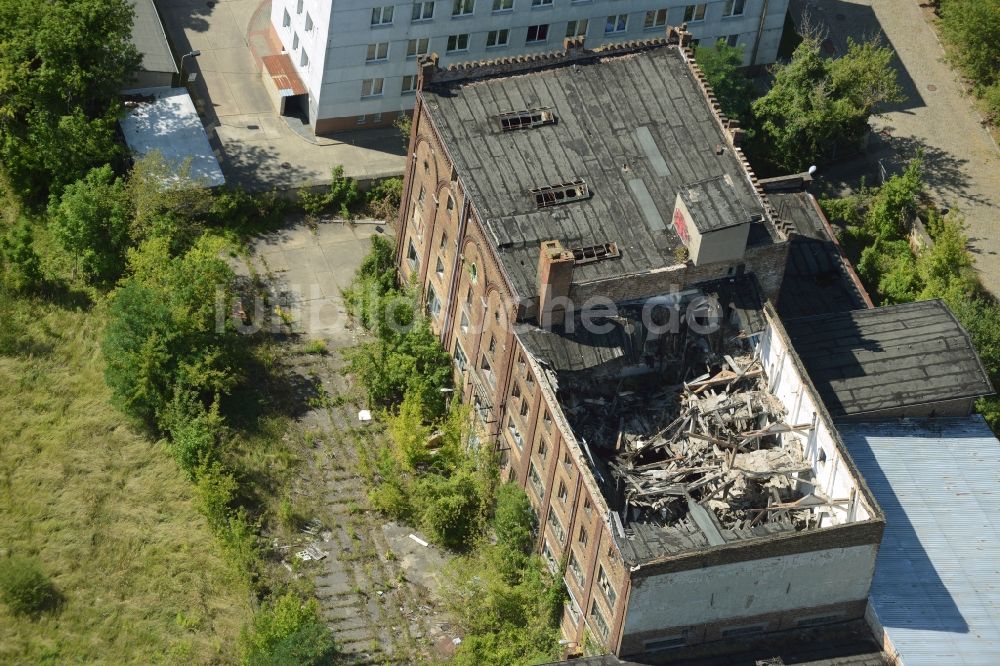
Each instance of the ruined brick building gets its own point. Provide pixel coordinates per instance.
(600, 261)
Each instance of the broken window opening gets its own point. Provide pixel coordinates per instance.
(527, 119)
(592, 253)
(552, 195)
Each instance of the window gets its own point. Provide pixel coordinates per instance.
(409, 84)
(298, 7)
(655, 19)
(732, 40)
(665, 643)
(444, 239)
(694, 12)
(567, 459)
(411, 252)
(488, 371)
(550, 559)
(524, 409)
(592, 253)
(421, 195)
(541, 3)
(286, 19)
(604, 583)
(587, 506)
(556, 525)
(536, 480)
(461, 360)
(527, 119)
(734, 8)
(598, 617)
(547, 419)
(572, 608)
(468, 296)
(463, 7)
(362, 120)
(309, 22)
(457, 43)
(516, 391)
(439, 268)
(371, 87)
(417, 47)
(433, 302)
(563, 492)
(583, 537)
(577, 28)
(616, 23)
(503, 5)
(474, 277)
(574, 566)
(422, 11)
(295, 40)
(376, 52)
(747, 630)
(551, 195)
(382, 15)
(543, 449)
(377, 117)
(537, 34)
(304, 59)
(497, 38)
(450, 205)
(493, 344)
(515, 434)
(465, 322)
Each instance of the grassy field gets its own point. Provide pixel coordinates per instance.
(105, 510)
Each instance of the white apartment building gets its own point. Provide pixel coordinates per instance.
(358, 58)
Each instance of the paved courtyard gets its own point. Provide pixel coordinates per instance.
(258, 148)
(961, 159)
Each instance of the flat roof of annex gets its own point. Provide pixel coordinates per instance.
(622, 129)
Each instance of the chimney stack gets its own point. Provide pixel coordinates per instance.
(427, 65)
(555, 275)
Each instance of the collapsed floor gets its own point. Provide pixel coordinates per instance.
(698, 449)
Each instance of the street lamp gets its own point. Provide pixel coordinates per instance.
(192, 54)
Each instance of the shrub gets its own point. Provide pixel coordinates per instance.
(20, 265)
(25, 588)
(384, 197)
(195, 432)
(288, 631)
(341, 196)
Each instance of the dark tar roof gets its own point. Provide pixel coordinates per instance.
(579, 350)
(636, 128)
(714, 204)
(817, 279)
(883, 358)
(150, 39)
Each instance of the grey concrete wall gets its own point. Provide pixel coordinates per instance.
(750, 588)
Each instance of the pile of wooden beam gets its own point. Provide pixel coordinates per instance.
(727, 449)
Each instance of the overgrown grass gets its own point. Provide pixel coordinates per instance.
(107, 513)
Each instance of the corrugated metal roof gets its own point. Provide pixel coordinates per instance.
(936, 589)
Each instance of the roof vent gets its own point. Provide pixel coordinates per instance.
(516, 120)
(592, 253)
(553, 195)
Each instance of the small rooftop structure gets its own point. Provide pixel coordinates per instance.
(633, 152)
(898, 360)
(158, 67)
(934, 593)
(165, 120)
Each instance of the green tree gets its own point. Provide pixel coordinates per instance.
(61, 66)
(92, 221)
(722, 65)
(165, 334)
(818, 105)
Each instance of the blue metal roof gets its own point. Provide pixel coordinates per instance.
(936, 590)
